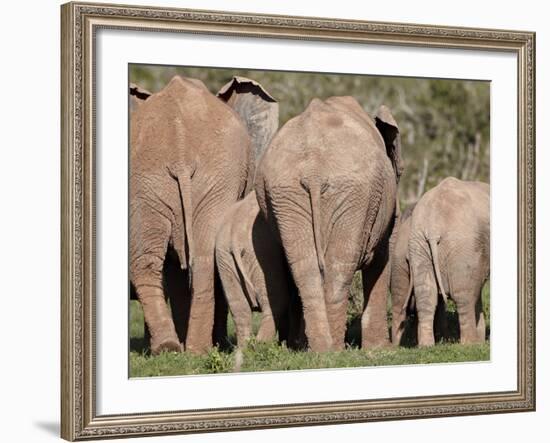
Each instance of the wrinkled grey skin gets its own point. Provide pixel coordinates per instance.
(449, 255)
(253, 271)
(257, 108)
(191, 159)
(327, 186)
(401, 285)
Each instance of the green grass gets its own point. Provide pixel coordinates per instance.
(273, 356)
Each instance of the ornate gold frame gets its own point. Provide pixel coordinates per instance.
(79, 420)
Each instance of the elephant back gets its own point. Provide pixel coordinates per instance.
(185, 124)
(336, 137)
(454, 211)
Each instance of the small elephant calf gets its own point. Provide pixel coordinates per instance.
(449, 255)
(253, 272)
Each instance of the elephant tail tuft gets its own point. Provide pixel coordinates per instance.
(314, 189)
(433, 242)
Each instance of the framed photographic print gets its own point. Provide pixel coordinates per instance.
(329, 221)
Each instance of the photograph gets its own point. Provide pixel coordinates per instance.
(284, 221)
(275, 221)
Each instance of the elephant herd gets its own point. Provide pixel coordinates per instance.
(227, 211)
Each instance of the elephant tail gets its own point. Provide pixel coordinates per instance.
(433, 242)
(314, 189)
(184, 184)
(244, 275)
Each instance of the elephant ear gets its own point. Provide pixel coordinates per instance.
(257, 108)
(137, 96)
(389, 130)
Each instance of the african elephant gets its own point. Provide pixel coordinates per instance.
(191, 158)
(253, 271)
(327, 186)
(401, 286)
(449, 254)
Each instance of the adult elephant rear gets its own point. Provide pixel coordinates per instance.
(191, 159)
(328, 184)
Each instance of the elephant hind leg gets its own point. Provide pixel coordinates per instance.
(239, 307)
(201, 316)
(337, 285)
(374, 321)
(148, 254)
(267, 329)
(480, 318)
(466, 308)
(159, 321)
(425, 290)
(310, 287)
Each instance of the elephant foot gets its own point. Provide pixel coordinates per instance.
(199, 336)
(397, 338)
(320, 344)
(375, 342)
(265, 337)
(158, 320)
(266, 332)
(471, 340)
(198, 350)
(426, 337)
(338, 345)
(166, 344)
(199, 340)
(374, 331)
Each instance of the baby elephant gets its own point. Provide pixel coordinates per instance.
(253, 271)
(401, 285)
(449, 254)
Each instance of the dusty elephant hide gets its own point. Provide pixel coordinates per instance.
(253, 271)
(190, 158)
(196, 147)
(327, 186)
